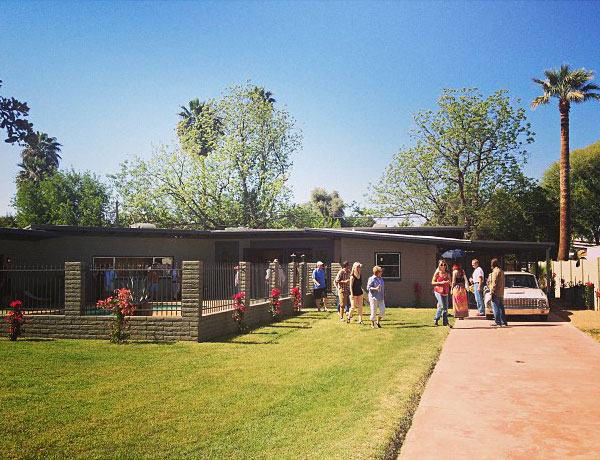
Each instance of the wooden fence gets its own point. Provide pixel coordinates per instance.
(569, 274)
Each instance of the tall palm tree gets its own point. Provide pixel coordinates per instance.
(40, 158)
(201, 119)
(568, 86)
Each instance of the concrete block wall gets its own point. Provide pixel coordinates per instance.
(222, 324)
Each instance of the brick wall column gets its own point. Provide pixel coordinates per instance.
(192, 289)
(292, 275)
(302, 282)
(273, 277)
(74, 288)
(245, 281)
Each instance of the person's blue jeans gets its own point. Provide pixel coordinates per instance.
(498, 308)
(442, 308)
(479, 299)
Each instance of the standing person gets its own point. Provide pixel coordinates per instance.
(376, 289)
(153, 275)
(342, 282)
(175, 283)
(356, 292)
(320, 286)
(478, 281)
(459, 292)
(497, 292)
(109, 280)
(441, 288)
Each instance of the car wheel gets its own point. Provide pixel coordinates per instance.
(543, 317)
(489, 316)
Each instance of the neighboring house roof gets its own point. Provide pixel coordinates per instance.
(392, 234)
(24, 234)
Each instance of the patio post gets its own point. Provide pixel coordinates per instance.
(548, 272)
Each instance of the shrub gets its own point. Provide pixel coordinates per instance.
(239, 312)
(15, 320)
(297, 298)
(119, 305)
(275, 304)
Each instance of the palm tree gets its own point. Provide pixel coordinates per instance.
(568, 86)
(40, 158)
(263, 94)
(199, 128)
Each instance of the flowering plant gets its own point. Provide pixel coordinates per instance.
(15, 320)
(297, 298)
(417, 292)
(119, 305)
(239, 311)
(588, 295)
(275, 303)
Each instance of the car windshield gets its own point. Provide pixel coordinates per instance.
(521, 281)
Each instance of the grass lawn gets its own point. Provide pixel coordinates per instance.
(586, 320)
(309, 387)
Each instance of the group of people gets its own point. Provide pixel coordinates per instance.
(350, 292)
(445, 282)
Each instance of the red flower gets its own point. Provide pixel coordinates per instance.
(16, 304)
(589, 284)
(597, 293)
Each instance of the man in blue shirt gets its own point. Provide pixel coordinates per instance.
(320, 286)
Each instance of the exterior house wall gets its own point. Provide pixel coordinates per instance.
(83, 248)
(418, 263)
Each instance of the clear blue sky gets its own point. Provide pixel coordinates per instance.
(106, 78)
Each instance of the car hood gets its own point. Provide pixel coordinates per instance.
(528, 293)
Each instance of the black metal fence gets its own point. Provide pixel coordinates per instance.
(259, 281)
(155, 291)
(41, 289)
(221, 282)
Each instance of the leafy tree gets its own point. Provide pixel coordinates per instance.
(463, 152)
(242, 181)
(12, 118)
(8, 221)
(40, 158)
(199, 128)
(522, 212)
(567, 86)
(65, 198)
(584, 168)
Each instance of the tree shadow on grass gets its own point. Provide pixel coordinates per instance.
(37, 339)
(289, 326)
(152, 342)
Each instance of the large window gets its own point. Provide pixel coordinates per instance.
(132, 262)
(390, 262)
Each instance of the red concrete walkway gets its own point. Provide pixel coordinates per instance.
(530, 391)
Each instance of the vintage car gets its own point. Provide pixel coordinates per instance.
(522, 296)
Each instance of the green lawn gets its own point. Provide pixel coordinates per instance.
(309, 387)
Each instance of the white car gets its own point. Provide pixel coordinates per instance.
(522, 296)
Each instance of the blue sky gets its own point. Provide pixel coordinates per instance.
(106, 78)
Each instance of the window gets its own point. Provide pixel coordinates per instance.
(390, 263)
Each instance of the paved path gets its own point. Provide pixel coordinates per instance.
(530, 391)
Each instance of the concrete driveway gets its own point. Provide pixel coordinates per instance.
(530, 391)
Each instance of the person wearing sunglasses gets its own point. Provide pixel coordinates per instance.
(441, 289)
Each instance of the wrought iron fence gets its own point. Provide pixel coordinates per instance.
(155, 290)
(259, 281)
(221, 282)
(41, 289)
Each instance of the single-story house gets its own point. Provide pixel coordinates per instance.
(407, 254)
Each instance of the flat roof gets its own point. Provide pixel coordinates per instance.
(378, 234)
